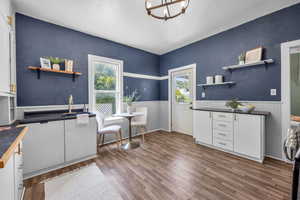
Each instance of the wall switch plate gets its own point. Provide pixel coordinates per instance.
(273, 92)
(203, 95)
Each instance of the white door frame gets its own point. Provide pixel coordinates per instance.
(286, 86)
(193, 67)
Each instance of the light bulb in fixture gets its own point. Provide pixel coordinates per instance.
(183, 4)
(148, 4)
(165, 12)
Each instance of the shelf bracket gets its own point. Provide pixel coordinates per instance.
(38, 71)
(266, 65)
(73, 77)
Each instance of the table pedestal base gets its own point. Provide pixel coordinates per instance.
(130, 145)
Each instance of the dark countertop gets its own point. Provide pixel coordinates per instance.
(230, 111)
(9, 139)
(47, 116)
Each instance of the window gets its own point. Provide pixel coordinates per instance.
(105, 85)
(182, 89)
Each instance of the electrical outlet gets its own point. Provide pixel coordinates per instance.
(203, 94)
(273, 92)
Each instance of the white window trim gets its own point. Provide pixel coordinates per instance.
(92, 58)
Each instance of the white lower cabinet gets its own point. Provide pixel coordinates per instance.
(7, 180)
(202, 127)
(241, 134)
(55, 144)
(249, 135)
(43, 146)
(80, 139)
(11, 181)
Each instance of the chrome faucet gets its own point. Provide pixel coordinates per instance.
(71, 102)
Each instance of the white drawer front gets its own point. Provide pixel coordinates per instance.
(223, 125)
(224, 135)
(223, 144)
(223, 116)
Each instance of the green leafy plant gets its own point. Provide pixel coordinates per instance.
(131, 98)
(242, 57)
(233, 104)
(55, 60)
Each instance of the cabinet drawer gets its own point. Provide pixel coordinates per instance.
(224, 135)
(223, 125)
(223, 144)
(223, 116)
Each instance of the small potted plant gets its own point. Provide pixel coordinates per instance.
(242, 58)
(55, 62)
(128, 100)
(233, 104)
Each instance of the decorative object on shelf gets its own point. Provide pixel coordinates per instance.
(55, 62)
(254, 55)
(242, 58)
(263, 62)
(218, 79)
(209, 80)
(69, 65)
(39, 69)
(130, 99)
(246, 108)
(167, 9)
(45, 63)
(233, 104)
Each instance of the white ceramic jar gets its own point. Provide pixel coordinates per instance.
(218, 79)
(209, 80)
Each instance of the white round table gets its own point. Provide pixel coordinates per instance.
(130, 144)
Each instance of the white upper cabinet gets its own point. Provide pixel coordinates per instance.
(5, 50)
(202, 130)
(248, 137)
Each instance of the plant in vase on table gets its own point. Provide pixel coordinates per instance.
(235, 105)
(128, 100)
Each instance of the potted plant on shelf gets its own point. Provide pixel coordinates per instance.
(55, 62)
(242, 58)
(128, 100)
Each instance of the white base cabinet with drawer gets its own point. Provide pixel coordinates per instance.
(240, 134)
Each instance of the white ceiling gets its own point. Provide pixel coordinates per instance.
(126, 21)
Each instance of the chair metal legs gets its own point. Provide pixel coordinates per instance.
(101, 139)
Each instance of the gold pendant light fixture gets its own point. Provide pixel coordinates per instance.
(168, 8)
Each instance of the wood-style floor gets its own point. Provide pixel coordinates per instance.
(170, 166)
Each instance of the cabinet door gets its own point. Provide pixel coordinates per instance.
(203, 126)
(81, 140)
(7, 180)
(43, 146)
(4, 57)
(18, 172)
(248, 135)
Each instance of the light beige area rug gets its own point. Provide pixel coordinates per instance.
(87, 183)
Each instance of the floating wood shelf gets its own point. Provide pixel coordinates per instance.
(229, 84)
(263, 62)
(39, 69)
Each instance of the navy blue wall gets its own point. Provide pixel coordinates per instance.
(223, 49)
(35, 39)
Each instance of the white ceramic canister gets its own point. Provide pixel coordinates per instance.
(209, 80)
(218, 79)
